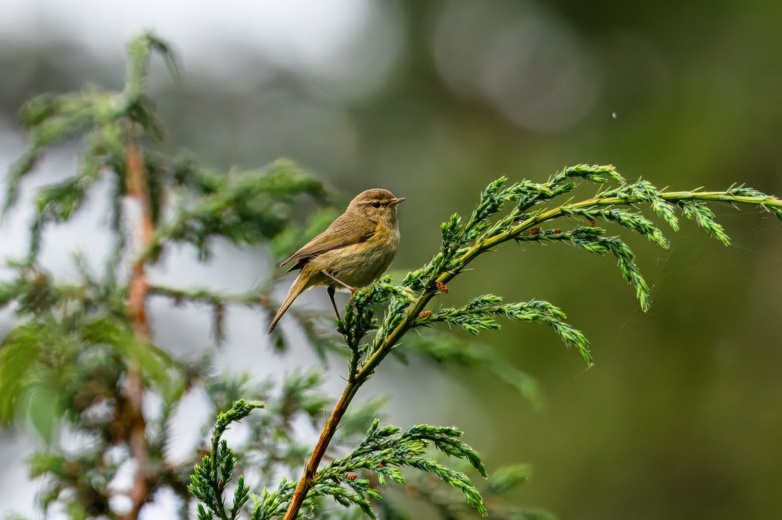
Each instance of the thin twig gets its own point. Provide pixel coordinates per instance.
(251, 298)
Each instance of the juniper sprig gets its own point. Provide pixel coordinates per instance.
(385, 450)
(516, 212)
(209, 479)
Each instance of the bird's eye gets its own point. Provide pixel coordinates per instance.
(375, 204)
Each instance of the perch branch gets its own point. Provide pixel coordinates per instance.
(480, 246)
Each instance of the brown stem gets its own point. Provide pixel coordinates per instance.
(348, 393)
(138, 289)
(320, 449)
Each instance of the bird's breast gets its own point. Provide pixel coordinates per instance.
(362, 263)
(385, 234)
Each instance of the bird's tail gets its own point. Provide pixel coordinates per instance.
(299, 285)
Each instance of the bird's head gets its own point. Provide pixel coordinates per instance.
(377, 205)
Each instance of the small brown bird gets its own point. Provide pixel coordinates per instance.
(353, 252)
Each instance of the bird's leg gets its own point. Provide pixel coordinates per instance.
(331, 292)
(343, 284)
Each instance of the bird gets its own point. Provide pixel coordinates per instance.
(352, 252)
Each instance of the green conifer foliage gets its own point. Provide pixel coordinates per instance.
(82, 354)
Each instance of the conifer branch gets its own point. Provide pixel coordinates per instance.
(326, 435)
(138, 188)
(210, 478)
(137, 309)
(463, 243)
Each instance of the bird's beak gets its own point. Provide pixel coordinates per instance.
(397, 201)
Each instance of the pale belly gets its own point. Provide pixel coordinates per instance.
(358, 265)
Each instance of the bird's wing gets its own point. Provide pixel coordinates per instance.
(360, 230)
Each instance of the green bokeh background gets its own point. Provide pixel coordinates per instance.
(681, 418)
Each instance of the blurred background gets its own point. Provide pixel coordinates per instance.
(681, 416)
